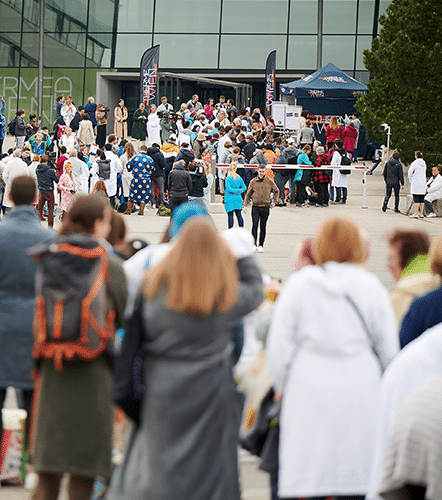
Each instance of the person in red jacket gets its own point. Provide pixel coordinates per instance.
(333, 131)
(349, 135)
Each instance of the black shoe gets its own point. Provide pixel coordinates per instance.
(343, 202)
(384, 206)
(397, 210)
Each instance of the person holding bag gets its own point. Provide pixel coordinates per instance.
(81, 295)
(186, 443)
(333, 332)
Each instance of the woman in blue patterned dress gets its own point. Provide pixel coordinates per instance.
(142, 167)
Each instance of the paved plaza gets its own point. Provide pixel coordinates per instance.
(286, 228)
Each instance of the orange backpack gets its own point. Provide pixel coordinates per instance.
(72, 317)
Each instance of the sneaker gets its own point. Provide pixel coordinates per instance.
(397, 210)
(260, 249)
(384, 206)
(414, 216)
(255, 248)
(431, 214)
(342, 202)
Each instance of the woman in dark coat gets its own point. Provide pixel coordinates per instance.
(186, 444)
(75, 414)
(139, 120)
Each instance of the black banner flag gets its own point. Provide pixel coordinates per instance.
(149, 76)
(270, 81)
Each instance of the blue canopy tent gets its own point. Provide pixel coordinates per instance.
(326, 92)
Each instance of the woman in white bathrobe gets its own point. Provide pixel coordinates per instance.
(333, 332)
(417, 175)
(153, 126)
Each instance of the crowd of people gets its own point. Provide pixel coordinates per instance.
(171, 332)
(346, 359)
(176, 166)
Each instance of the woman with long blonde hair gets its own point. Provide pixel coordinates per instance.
(128, 152)
(68, 187)
(186, 443)
(234, 186)
(333, 131)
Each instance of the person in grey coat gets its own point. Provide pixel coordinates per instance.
(394, 177)
(20, 128)
(19, 231)
(185, 446)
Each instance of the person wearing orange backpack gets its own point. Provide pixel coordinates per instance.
(81, 295)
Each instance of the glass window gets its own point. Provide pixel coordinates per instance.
(302, 52)
(251, 51)
(101, 15)
(135, 16)
(383, 4)
(74, 10)
(98, 55)
(196, 16)
(59, 52)
(339, 16)
(366, 15)
(10, 19)
(254, 16)
(339, 50)
(364, 42)
(31, 15)
(304, 16)
(130, 48)
(182, 51)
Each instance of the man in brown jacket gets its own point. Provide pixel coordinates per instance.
(260, 189)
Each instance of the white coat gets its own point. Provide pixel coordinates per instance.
(434, 188)
(322, 360)
(80, 171)
(418, 362)
(126, 175)
(338, 179)
(115, 168)
(153, 129)
(14, 168)
(418, 177)
(69, 142)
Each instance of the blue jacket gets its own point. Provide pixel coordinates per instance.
(232, 197)
(424, 313)
(19, 231)
(2, 121)
(39, 148)
(90, 109)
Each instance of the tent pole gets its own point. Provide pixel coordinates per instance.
(320, 20)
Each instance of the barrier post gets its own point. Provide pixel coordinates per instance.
(213, 169)
(364, 182)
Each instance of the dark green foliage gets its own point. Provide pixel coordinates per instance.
(405, 89)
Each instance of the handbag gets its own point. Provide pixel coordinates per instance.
(263, 439)
(127, 385)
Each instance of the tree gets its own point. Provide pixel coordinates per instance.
(405, 87)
